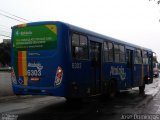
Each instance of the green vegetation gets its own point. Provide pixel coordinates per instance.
(5, 58)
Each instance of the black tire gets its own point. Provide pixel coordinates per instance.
(112, 92)
(142, 90)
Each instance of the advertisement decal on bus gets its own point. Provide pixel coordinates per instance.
(28, 42)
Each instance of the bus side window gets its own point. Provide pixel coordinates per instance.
(79, 46)
(122, 53)
(128, 58)
(75, 42)
(95, 54)
(145, 57)
(108, 52)
(116, 53)
(138, 57)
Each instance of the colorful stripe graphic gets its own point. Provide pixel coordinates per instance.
(22, 67)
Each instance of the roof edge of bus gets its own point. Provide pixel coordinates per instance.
(106, 37)
(74, 27)
(36, 23)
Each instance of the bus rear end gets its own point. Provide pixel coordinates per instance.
(37, 67)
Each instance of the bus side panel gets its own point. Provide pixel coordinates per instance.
(137, 74)
(63, 36)
(146, 71)
(78, 74)
(119, 73)
(80, 79)
(129, 79)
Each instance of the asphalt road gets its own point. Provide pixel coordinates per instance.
(56, 108)
(123, 107)
(152, 108)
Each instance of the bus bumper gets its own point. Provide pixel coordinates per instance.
(28, 90)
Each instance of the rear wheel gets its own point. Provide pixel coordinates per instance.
(142, 90)
(112, 92)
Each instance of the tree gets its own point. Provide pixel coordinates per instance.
(158, 1)
(5, 57)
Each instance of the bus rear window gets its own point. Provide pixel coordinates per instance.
(42, 37)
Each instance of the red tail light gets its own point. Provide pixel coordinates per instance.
(59, 76)
(13, 76)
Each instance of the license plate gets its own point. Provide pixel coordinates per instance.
(34, 78)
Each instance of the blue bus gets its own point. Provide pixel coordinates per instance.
(60, 59)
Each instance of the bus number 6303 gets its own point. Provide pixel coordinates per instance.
(76, 65)
(34, 72)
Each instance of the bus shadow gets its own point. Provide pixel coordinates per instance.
(93, 108)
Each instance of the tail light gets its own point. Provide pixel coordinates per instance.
(58, 77)
(13, 76)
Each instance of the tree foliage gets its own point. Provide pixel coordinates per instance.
(158, 1)
(5, 57)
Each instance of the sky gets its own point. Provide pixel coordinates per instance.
(134, 21)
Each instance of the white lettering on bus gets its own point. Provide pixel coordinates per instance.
(118, 71)
(37, 65)
(76, 65)
(25, 33)
(35, 72)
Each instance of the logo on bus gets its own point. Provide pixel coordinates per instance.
(24, 33)
(118, 71)
(37, 71)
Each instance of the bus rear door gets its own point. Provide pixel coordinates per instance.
(130, 67)
(95, 56)
(138, 68)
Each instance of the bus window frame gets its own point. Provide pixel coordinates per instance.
(122, 53)
(138, 58)
(79, 46)
(109, 52)
(119, 53)
(145, 57)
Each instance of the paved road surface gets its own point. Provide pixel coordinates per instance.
(5, 84)
(56, 108)
(153, 108)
